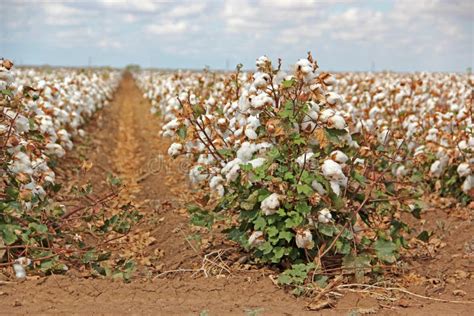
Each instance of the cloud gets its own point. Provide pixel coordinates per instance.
(167, 28)
(347, 34)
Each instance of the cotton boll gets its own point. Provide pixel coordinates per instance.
(384, 137)
(304, 159)
(305, 66)
(336, 121)
(261, 100)
(216, 185)
(326, 114)
(304, 239)
(175, 149)
(329, 80)
(270, 204)
(463, 169)
(318, 187)
(401, 172)
(257, 162)
(436, 169)
(334, 99)
(261, 80)
(54, 150)
(20, 272)
(308, 126)
(251, 134)
(468, 185)
(335, 187)
(339, 157)
(324, 216)
(196, 174)
(263, 62)
(333, 171)
(22, 124)
(246, 151)
(256, 238)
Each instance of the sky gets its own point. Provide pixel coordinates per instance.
(343, 35)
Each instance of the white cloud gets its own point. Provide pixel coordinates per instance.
(168, 28)
(187, 9)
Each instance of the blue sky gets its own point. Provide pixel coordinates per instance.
(401, 35)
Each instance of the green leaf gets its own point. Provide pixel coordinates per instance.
(386, 250)
(202, 219)
(294, 221)
(304, 189)
(303, 207)
(7, 92)
(8, 233)
(327, 230)
(357, 265)
(259, 223)
(288, 83)
(272, 231)
(424, 236)
(182, 132)
(286, 235)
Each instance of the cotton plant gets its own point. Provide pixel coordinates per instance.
(275, 150)
(41, 113)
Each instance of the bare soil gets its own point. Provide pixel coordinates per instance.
(123, 140)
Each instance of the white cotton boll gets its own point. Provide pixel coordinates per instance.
(81, 133)
(233, 173)
(256, 238)
(22, 124)
(332, 170)
(304, 239)
(3, 128)
(462, 145)
(228, 166)
(196, 174)
(436, 169)
(21, 164)
(419, 150)
(253, 122)
(304, 159)
(55, 150)
(257, 162)
(20, 272)
(305, 66)
(270, 204)
(216, 185)
(468, 184)
(334, 99)
(339, 156)
(379, 96)
(384, 136)
(308, 126)
(262, 62)
(175, 149)
(324, 216)
(261, 100)
(401, 171)
(463, 169)
(318, 187)
(335, 187)
(251, 134)
(326, 114)
(246, 151)
(336, 121)
(261, 80)
(330, 80)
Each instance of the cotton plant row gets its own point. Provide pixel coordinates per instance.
(42, 111)
(430, 115)
(276, 150)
